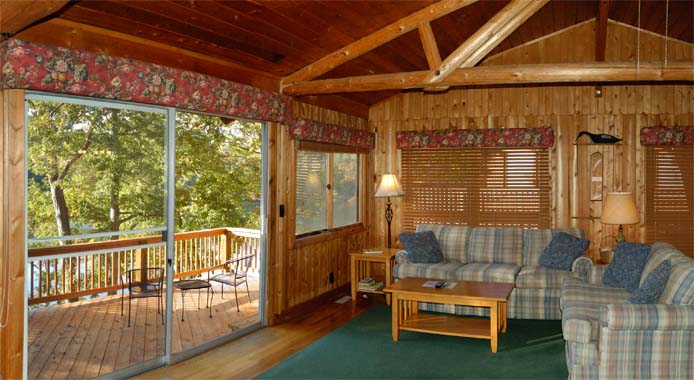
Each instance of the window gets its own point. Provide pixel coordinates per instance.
(327, 190)
(505, 187)
(669, 196)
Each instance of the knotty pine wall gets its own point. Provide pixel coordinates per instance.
(299, 273)
(12, 176)
(622, 111)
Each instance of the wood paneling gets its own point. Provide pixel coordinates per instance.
(298, 275)
(622, 111)
(577, 44)
(12, 177)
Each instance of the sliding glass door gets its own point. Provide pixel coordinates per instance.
(145, 235)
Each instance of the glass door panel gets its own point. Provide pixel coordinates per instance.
(218, 229)
(96, 208)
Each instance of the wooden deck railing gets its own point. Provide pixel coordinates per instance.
(77, 275)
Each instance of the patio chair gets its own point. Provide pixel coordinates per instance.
(235, 272)
(148, 287)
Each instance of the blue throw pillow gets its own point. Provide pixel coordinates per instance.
(653, 285)
(562, 251)
(422, 247)
(626, 266)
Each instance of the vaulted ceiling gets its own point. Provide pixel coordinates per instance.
(273, 39)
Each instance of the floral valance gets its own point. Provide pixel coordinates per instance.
(40, 67)
(304, 129)
(667, 136)
(457, 138)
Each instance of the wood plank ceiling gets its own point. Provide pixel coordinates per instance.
(280, 37)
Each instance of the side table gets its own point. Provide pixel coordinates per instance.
(361, 267)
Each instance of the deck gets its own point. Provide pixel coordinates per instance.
(90, 338)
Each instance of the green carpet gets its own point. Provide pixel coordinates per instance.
(364, 349)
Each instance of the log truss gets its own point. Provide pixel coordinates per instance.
(458, 69)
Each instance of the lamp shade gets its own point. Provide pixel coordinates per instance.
(389, 187)
(619, 208)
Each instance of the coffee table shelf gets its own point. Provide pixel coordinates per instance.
(448, 325)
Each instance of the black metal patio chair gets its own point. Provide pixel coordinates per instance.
(235, 274)
(142, 283)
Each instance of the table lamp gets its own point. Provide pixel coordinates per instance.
(389, 187)
(619, 208)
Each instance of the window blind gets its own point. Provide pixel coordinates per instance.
(501, 187)
(669, 206)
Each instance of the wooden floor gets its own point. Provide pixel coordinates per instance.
(90, 338)
(253, 354)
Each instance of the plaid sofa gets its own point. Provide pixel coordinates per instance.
(500, 255)
(607, 338)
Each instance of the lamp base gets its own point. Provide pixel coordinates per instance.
(620, 235)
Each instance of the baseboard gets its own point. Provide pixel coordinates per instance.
(304, 307)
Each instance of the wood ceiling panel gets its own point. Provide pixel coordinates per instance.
(680, 16)
(125, 25)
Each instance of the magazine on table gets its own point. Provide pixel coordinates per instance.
(440, 284)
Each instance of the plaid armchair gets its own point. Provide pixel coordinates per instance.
(607, 338)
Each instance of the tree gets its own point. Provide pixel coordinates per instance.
(103, 169)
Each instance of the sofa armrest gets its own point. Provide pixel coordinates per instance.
(583, 266)
(401, 257)
(595, 274)
(647, 317)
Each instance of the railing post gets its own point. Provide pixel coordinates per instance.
(141, 262)
(228, 242)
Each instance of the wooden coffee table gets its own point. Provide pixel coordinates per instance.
(407, 293)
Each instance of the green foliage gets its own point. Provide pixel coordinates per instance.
(110, 163)
(218, 169)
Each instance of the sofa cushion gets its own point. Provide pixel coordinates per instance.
(488, 272)
(495, 245)
(626, 266)
(452, 239)
(577, 292)
(422, 247)
(536, 240)
(540, 277)
(659, 253)
(562, 251)
(444, 270)
(652, 288)
(679, 289)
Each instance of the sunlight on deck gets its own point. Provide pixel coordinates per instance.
(90, 338)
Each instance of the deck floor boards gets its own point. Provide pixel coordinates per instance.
(90, 338)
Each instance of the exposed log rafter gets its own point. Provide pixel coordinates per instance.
(431, 49)
(475, 48)
(17, 15)
(601, 30)
(374, 40)
(506, 75)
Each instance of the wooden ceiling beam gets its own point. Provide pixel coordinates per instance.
(506, 75)
(374, 40)
(490, 35)
(431, 49)
(601, 30)
(17, 15)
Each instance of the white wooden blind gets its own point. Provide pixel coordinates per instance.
(506, 187)
(669, 206)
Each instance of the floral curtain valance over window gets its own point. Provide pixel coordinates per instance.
(476, 138)
(309, 130)
(40, 67)
(667, 136)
